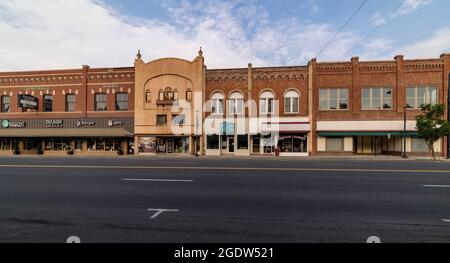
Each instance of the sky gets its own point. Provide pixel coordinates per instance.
(55, 34)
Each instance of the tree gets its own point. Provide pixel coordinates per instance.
(431, 125)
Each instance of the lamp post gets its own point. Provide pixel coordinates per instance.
(404, 156)
(196, 133)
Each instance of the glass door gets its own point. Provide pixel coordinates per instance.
(231, 144)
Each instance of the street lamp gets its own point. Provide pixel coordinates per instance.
(404, 156)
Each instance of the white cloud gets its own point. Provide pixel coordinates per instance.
(48, 34)
(438, 43)
(406, 7)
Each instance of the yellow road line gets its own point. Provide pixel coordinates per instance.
(222, 168)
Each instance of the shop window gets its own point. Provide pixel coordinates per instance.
(212, 142)
(70, 102)
(121, 101)
(418, 96)
(161, 120)
(376, 99)
(79, 145)
(101, 102)
(266, 103)
(293, 143)
(6, 144)
(335, 144)
(419, 145)
(333, 99)
(236, 103)
(242, 142)
(291, 101)
(6, 104)
(48, 103)
(56, 144)
(217, 104)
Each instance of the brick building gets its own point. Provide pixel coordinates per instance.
(177, 106)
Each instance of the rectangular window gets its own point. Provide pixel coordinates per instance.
(101, 102)
(334, 144)
(242, 142)
(70, 102)
(333, 99)
(121, 101)
(161, 120)
(178, 120)
(376, 98)
(189, 96)
(6, 104)
(419, 145)
(212, 142)
(418, 96)
(48, 103)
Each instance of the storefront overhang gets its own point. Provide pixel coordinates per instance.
(47, 133)
(351, 134)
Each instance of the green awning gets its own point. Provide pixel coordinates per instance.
(351, 134)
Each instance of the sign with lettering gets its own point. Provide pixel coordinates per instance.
(27, 101)
(112, 123)
(13, 124)
(83, 123)
(54, 123)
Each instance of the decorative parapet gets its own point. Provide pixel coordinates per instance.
(423, 65)
(227, 75)
(281, 73)
(378, 66)
(334, 68)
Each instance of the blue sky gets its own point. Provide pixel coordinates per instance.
(60, 33)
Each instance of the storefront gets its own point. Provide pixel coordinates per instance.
(164, 145)
(67, 136)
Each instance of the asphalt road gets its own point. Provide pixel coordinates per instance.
(222, 200)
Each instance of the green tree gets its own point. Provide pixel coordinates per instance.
(431, 125)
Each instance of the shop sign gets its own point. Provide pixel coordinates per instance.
(112, 123)
(54, 123)
(27, 101)
(89, 124)
(292, 137)
(13, 124)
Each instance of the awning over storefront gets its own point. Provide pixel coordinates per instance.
(348, 134)
(46, 133)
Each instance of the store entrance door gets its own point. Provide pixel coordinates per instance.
(230, 144)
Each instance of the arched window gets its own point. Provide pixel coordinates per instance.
(148, 96)
(168, 94)
(266, 103)
(175, 94)
(101, 102)
(6, 104)
(291, 101)
(236, 103)
(217, 103)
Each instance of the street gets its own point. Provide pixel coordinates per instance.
(221, 199)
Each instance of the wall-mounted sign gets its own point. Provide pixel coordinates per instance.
(36, 88)
(54, 123)
(13, 124)
(82, 124)
(112, 123)
(27, 101)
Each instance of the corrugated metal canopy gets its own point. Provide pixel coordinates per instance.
(18, 133)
